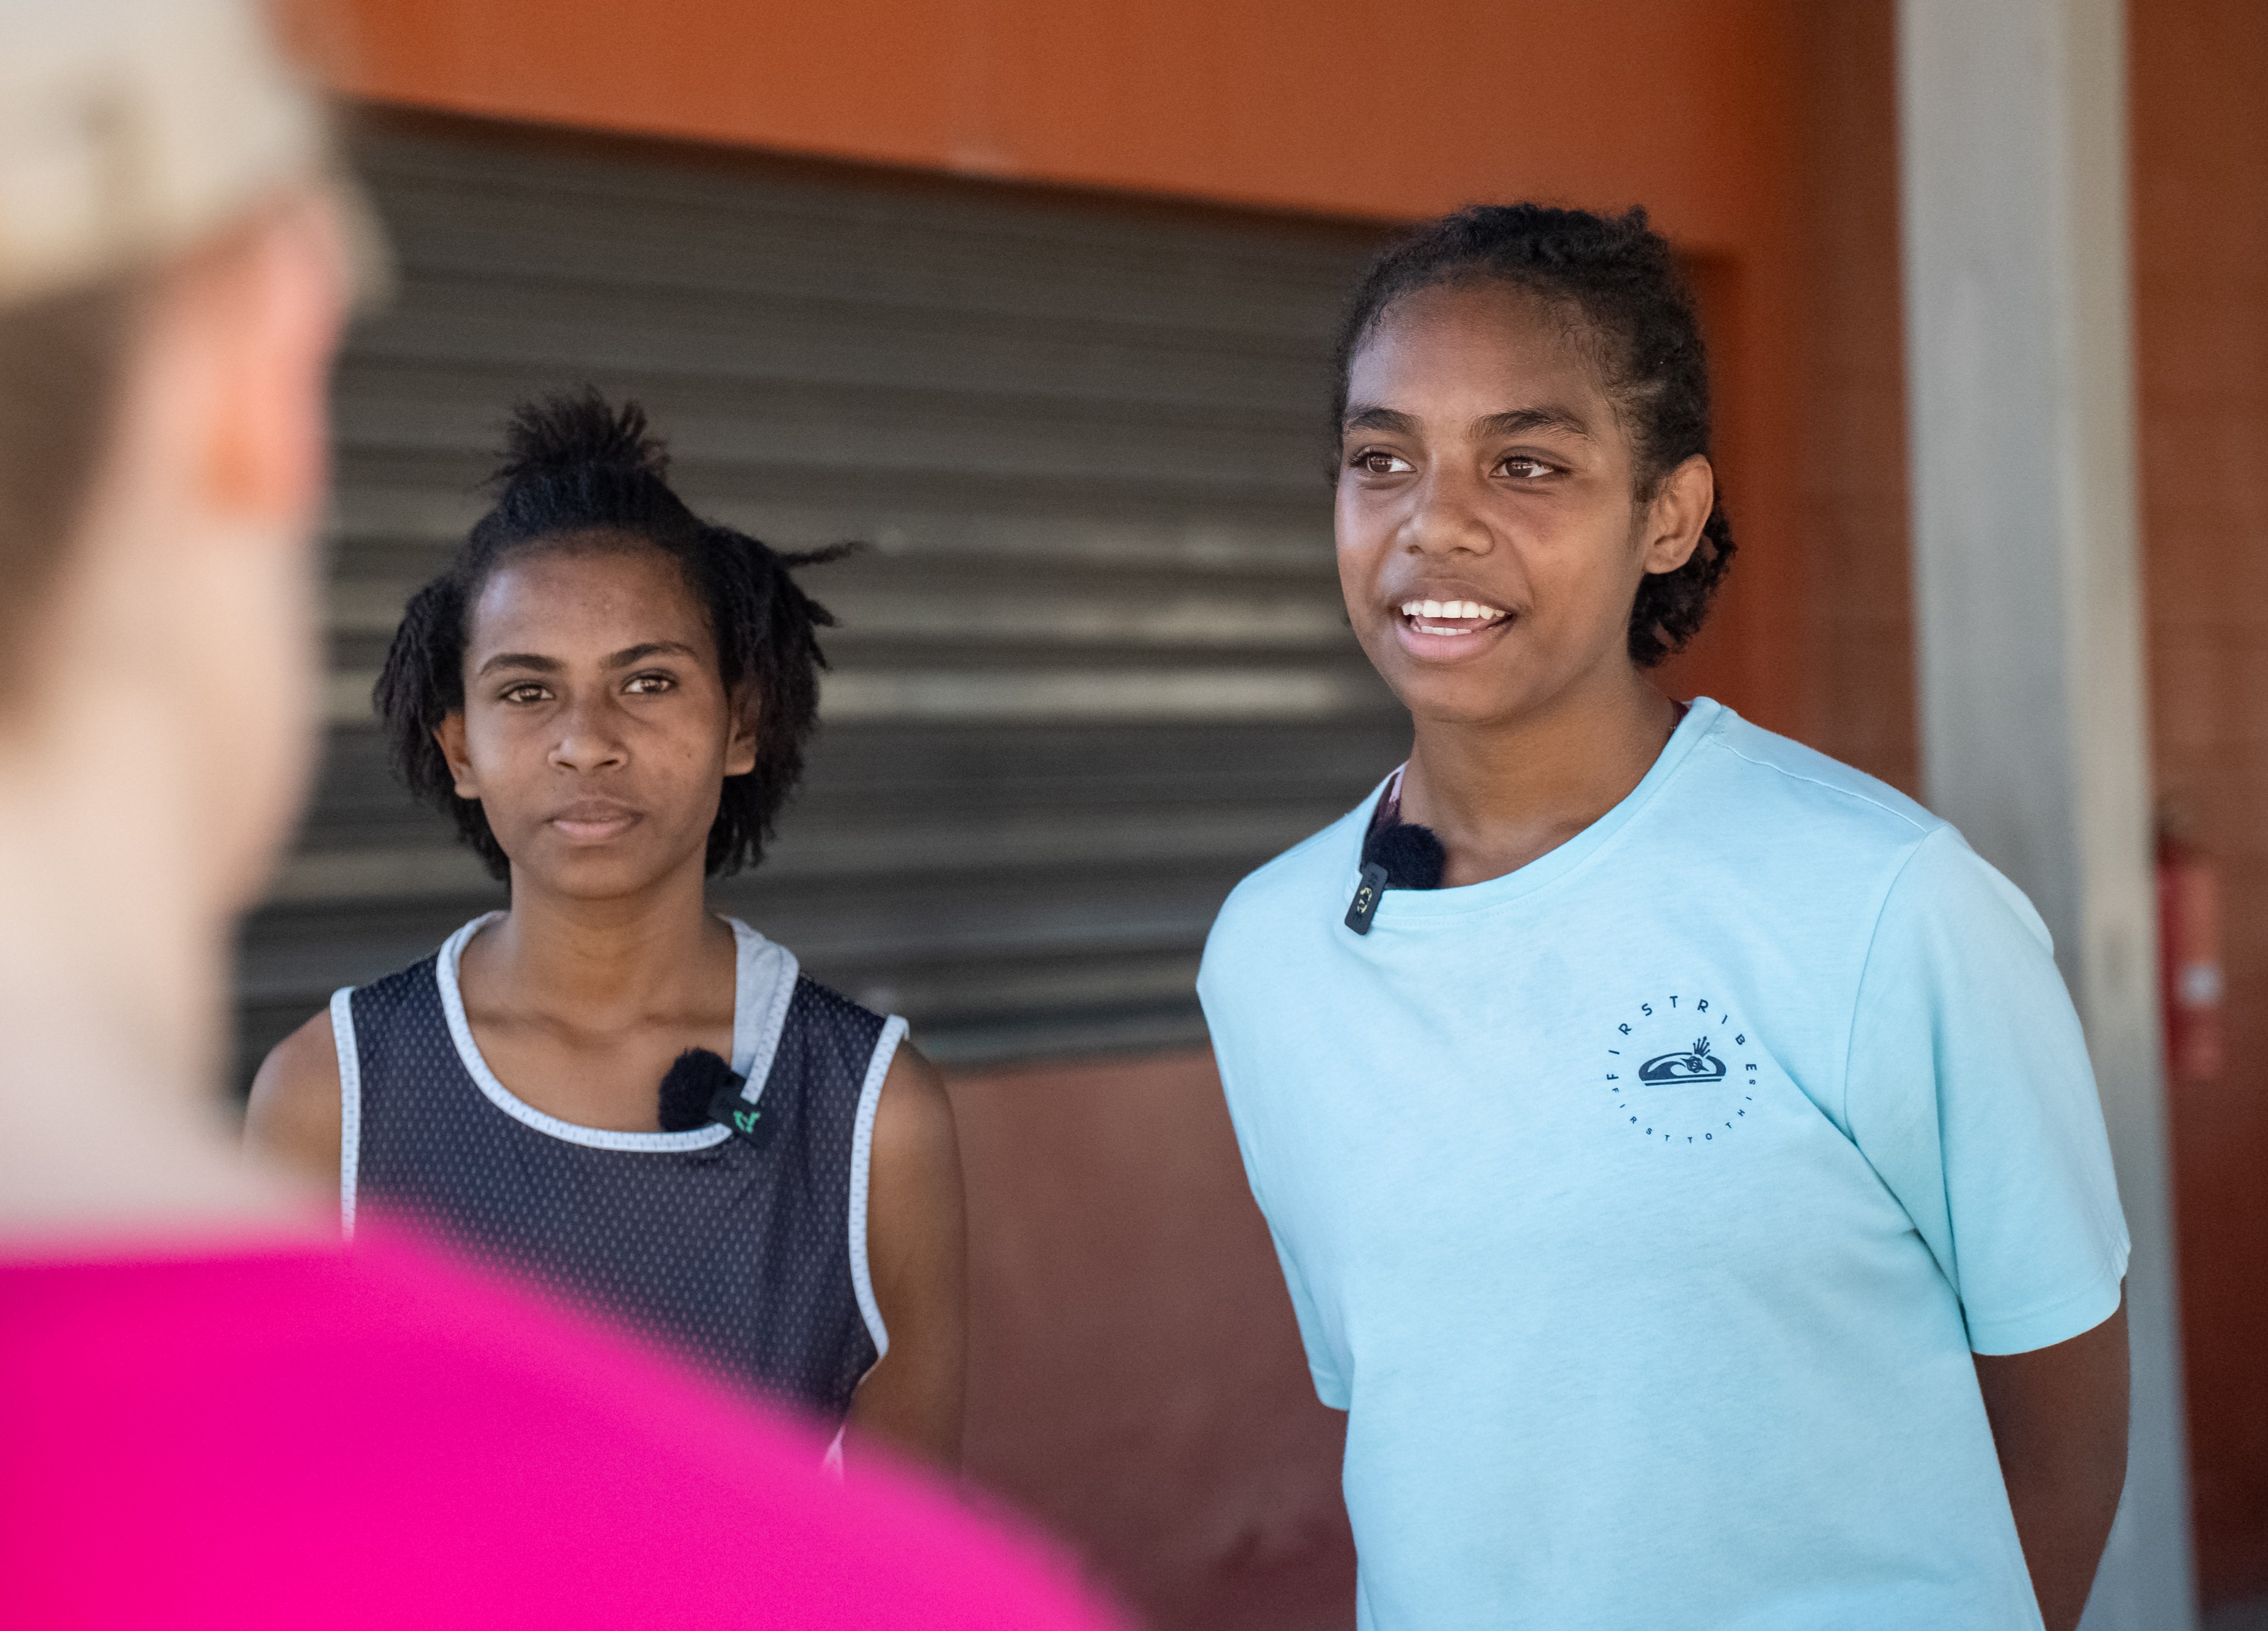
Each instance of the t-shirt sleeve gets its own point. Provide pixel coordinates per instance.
(1224, 1006)
(1330, 1387)
(1968, 1087)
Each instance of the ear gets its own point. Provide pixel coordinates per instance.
(1673, 522)
(282, 285)
(450, 734)
(740, 747)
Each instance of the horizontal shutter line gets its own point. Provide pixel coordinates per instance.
(1092, 666)
(1042, 695)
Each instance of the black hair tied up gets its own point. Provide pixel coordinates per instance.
(575, 465)
(1622, 281)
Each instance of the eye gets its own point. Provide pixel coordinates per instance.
(1379, 462)
(649, 684)
(1524, 467)
(522, 694)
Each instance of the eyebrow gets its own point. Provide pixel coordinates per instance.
(1367, 419)
(630, 655)
(1521, 421)
(622, 659)
(1513, 422)
(522, 660)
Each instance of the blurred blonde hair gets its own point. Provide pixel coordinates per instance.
(131, 132)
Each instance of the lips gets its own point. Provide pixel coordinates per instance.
(594, 819)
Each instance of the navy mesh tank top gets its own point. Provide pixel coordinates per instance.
(752, 1258)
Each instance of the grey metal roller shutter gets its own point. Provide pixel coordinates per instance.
(1094, 666)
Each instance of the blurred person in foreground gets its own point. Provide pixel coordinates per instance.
(210, 1410)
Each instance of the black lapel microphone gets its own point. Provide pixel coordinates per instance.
(700, 1088)
(1404, 856)
(1363, 906)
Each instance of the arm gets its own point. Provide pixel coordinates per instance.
(916, 1253)
(2058, 1419)
(293, 1118)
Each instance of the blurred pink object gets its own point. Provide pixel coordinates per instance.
(379, 1438)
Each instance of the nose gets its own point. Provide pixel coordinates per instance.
(588, 739)
(1445, 516)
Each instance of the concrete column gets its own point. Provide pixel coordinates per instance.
(2021, 405)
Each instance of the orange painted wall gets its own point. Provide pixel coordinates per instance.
(1329, 106)
(1136, 1382)
(2200, 157)
(1320, 106)
(1850, 455)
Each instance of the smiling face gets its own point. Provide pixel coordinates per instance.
(597, 732)
(1491, 542)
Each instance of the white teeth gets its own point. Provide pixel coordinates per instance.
(1470, 611)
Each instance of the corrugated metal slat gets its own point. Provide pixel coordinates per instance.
(1093, 667)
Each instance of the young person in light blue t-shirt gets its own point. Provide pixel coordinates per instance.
(1680, 1148)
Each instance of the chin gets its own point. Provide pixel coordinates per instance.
(593, 873)
(1461, 711)
(1459, 698)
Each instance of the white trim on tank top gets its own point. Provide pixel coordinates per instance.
(764, 983)
(342, 1038)
(862, 1162)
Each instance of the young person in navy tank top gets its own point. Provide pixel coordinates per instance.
(608, 1088)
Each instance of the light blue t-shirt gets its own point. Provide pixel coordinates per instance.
(1643, 1206)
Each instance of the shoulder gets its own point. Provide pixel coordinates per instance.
(1916, 860)
(402, 1360)
(1946, 889)
(912, 1115)
(1785, 828)
(914, 1192)
(830, 1046)
(901, 1554)
(1291, 883)
(913, 1119)
(400, 994)
(1803, 784)
(813, 1004)
(294, 1113)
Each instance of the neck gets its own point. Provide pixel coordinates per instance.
(1500, 793)
(112, 1004)
(606, 956)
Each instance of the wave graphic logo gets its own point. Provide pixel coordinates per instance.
(1694, 1063)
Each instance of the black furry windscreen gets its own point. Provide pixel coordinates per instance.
(692, 1083)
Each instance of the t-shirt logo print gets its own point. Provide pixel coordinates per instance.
(1672, 1086)
(1696, 1064)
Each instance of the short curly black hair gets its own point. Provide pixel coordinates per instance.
(1621, 280)
(575, 464)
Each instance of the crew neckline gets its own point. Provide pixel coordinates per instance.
(1702, 716)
